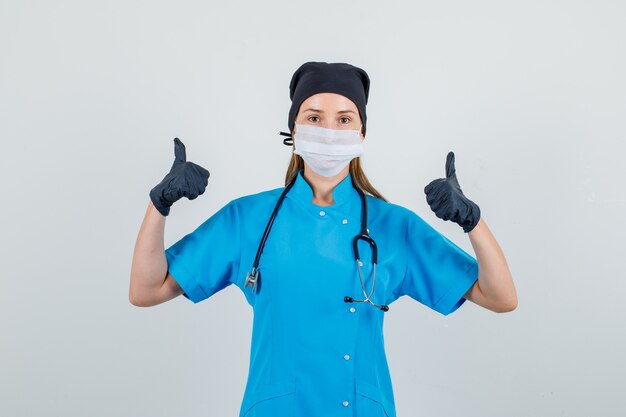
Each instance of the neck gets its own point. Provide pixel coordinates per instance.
(323, 186)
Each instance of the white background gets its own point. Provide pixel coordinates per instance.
(529, 95)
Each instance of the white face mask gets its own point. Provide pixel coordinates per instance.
(327, 151)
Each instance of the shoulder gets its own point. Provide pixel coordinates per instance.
(257, 201)
(386, 208)
(400, 216)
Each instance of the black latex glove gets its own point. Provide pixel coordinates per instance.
(445, 198)
(185, 179)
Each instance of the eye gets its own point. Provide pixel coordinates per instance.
(347, 118)
(311, 117)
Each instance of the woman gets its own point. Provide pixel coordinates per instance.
(319, 296)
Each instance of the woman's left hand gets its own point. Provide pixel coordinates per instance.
(445, 198)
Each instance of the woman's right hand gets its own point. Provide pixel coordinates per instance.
(185, 179)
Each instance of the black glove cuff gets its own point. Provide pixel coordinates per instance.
(157, 200)
(472, 220)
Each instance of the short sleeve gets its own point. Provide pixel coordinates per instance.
(206, 260)
(438, 272)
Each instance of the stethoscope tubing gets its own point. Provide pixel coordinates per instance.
(252, 277)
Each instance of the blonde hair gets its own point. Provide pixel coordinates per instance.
(356, 171)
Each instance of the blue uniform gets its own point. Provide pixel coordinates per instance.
(313, 354)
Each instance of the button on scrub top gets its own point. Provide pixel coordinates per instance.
(312, 354)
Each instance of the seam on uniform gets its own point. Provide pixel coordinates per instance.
(192, 277)
(470, 265)
(238, 243)
(406, 255)
(454, 286)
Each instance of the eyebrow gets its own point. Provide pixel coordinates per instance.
(322, 111)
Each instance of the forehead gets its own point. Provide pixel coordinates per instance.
(329, 101)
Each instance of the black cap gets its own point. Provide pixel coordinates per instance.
(323, 77)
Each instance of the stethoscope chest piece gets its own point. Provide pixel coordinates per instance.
(251, 279)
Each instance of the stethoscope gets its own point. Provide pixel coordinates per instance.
(253, 276)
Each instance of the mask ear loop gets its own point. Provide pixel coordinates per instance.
(288, 140)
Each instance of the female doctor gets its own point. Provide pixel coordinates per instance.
(321, 259)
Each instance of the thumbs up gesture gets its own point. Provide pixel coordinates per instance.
(185, 179)
(445, 198)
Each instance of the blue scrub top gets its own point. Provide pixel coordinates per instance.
(313, 354)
